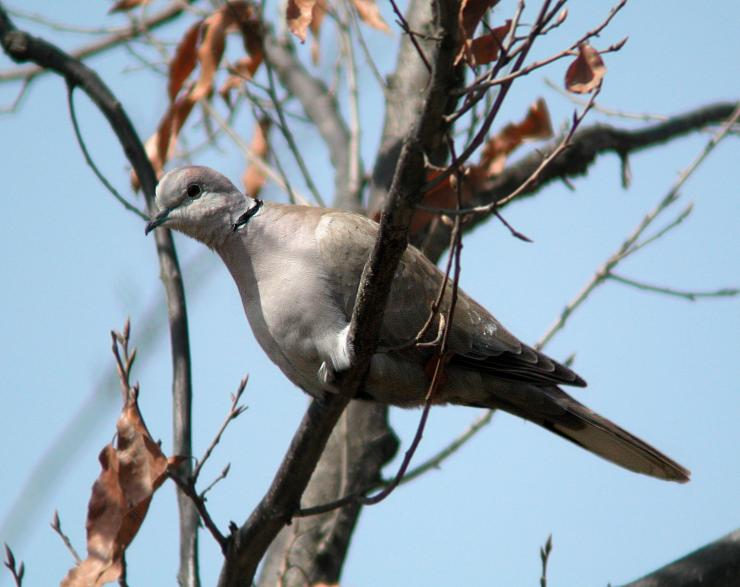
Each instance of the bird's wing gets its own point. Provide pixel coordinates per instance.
(476, 338)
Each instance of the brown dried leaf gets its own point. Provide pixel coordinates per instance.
(586, 72)
(211, 48)
(253, 178)
(160, 146)
(370, 13)
(210, 51)
(486, 49)
(470, 14)
(299, 14)
(183, 62)
(246, 67)
(319, 12)
(130, 475)
(535, 125)
(241, 71)
(123, 5)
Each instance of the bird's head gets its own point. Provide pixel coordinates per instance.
(201, 203)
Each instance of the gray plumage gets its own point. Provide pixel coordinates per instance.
(297, 269)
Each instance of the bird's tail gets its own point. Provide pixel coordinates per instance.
(552, 408)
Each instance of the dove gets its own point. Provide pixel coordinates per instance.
(298, 268)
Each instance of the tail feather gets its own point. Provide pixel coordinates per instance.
(552, 408)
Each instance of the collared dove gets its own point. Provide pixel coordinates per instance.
(298, 268)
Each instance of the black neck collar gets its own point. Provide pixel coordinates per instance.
(244, 218)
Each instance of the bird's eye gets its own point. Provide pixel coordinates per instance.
(194, 190)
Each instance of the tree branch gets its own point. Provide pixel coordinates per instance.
(714, 565)
(113, 40)
(585, 147)
(22, 47)
(596, 140)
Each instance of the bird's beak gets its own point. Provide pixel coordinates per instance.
(158, 220)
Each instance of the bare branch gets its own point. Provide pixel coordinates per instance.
(234, 412)
(714, 565)
(17, 571)
(288, 135)
(691, 296)
(88, 158)
(116, 38)
(643, 116)
(188, 489)
(586, 146)
(56, 525)
(544, 558)
(435, 461)
(627, 246)
(486, 80)
(533, 179)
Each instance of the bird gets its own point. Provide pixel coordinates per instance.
(297, 270)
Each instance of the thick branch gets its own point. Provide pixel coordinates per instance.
(714, 565)
(585, 147)
(22, 47)
(316, 547)
(323, 110)
(596, 140)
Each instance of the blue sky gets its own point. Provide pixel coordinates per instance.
(75, 264)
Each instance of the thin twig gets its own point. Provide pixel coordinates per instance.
(644, 116)
(234, 412)
(485, 80)
(531, 180)
(628, 246)
(121, 35)
(677, 221)
(366, 51)
(221, 476)
(189, 490)
(436, 460)
(16, 571)
(63, 26)
(544, 558)
(501, 95)
(259, 162)
(355, 163)
(89, 160)
(11, 107)
(56, 525)
(288, 136)
(412, 35)
(691, 296)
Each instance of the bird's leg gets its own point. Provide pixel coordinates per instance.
(328, 377)
(338, 363)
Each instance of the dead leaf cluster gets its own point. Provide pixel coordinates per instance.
(131, 472)
(202, 47)
(304, 14)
